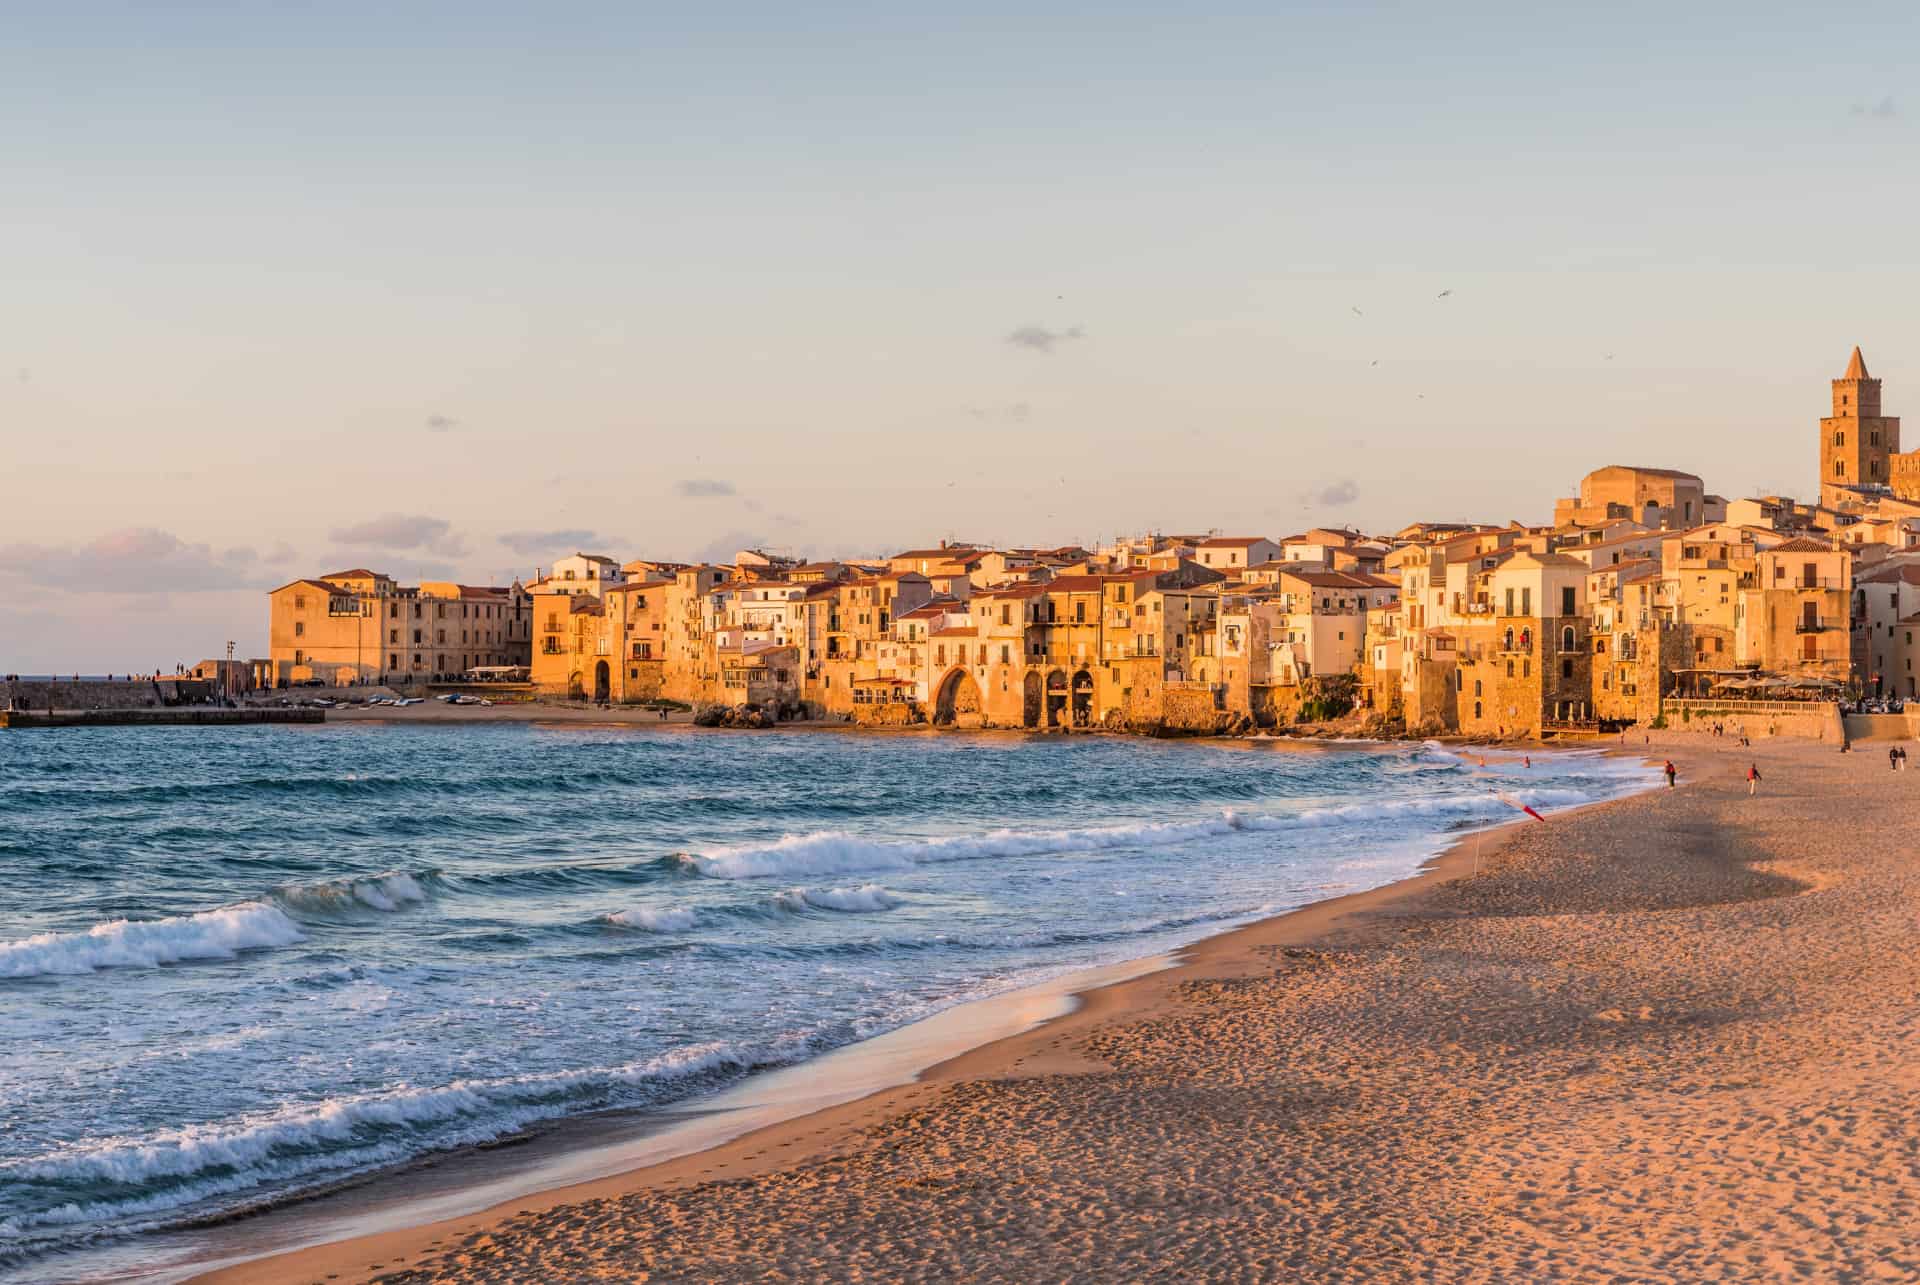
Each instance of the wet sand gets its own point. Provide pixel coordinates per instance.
(1674, 1037)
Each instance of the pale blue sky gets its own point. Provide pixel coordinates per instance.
(275, 279)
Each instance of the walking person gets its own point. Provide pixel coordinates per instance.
(1893, 757)
(1753, 779)
(1671, 772)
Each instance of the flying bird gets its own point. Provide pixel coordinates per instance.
(1375, 362)
(1356, 311)
(1443, 294)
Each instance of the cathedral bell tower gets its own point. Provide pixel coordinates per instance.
(1856, 441)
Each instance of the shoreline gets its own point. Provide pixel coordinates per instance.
(704, 1148)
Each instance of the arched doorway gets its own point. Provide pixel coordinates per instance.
(957, 701)
(602, 681)
(1056, 698)
(1082, 698)
(576, 688)
(1031, 701)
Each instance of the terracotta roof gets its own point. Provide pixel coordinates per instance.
(1340, 580)
(954, 551)
(1800, 544)
(321, 585)
(358, 573)
(1886, 573)
(955, 631)
(1231, 541)
(1856, 366)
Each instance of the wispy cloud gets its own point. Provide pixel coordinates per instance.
(1040, 339)
(141, 560)
(400, 532)
(1013, 413)
(1882, 109)
(564, 540)
(1333, 495)
(441, 423)
(703, 488)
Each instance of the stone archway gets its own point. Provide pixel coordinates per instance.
(1031, 699)
(576, 687)
(602, 681)
(957, 701)
(1056, 699)
(1082, 698)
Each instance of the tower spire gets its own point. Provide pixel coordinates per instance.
(1857, 367)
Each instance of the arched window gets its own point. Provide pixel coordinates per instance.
(1566, 639)
(1476, 709)
(1476, 687)
(1839, 468)
(1508, 643)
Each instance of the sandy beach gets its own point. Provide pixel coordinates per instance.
(1669, 1037)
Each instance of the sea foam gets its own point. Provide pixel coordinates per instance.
(125, 943)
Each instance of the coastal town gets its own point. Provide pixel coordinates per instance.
(1646, 594)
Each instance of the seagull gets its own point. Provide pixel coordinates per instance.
(1443, 294)
(1356, 311)
(1375, 362)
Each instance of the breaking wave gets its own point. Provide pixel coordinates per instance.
(866, 897)
(833, 852)
(387, 893)
(125, 943)
(664, 920)
(179, 1167)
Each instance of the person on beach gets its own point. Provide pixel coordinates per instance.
(1671, 772)
(1893, 757)
(1753, 779)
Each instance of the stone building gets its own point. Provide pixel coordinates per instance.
(1653, 497)
(1858, 443)
(359, 627)
(1795, 619)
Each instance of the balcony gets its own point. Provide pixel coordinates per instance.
(1815, 625)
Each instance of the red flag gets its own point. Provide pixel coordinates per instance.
(1512, 802)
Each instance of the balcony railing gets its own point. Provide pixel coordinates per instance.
(1817, 625)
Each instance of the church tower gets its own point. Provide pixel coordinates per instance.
(1856, 441)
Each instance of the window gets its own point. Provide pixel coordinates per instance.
(393, 662)
(1476, 687)
(416, 640)
(299, 628)
(1566, 600)
(1566, 639)
(1566, 669)
(299, 602)
(1839, 469)
(1476, 709)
